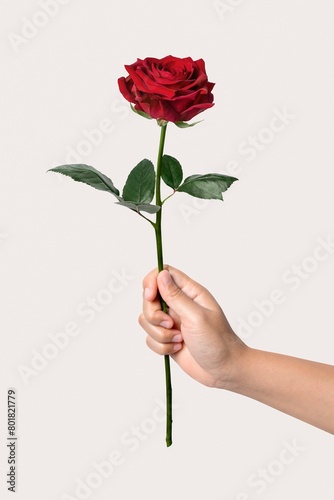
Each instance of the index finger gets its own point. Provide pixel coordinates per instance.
(151, 302)
(150, 285)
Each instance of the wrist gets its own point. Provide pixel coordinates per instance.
(235, 368)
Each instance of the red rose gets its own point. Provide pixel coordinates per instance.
(171, 89)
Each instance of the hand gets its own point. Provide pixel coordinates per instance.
(198, 336)
(196, 332)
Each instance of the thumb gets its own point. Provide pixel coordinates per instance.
(175, 297)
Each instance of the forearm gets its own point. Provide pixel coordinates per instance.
(300, 388)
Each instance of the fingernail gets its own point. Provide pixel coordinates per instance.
(177, 338)
(177, 347)
(165, 324)
(147, 293)
(166, 278)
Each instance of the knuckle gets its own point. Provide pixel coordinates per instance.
(157, 347)
(150, 277)
(156, 318)
(175, 293)
(149, 343)
(141, 319)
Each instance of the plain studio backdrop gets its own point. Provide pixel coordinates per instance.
(90, 394)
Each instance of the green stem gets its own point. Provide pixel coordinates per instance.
(146, 218)
(158, 237)
(163, 201)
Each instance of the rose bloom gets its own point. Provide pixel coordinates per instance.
(171, 89)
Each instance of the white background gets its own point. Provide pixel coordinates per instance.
(62, 241)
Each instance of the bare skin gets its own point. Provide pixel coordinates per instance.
(199, 338)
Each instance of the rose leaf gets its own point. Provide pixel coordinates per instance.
(142, 207)
(87, 175)
(171, 171)
(139, 186)
(207, 186)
